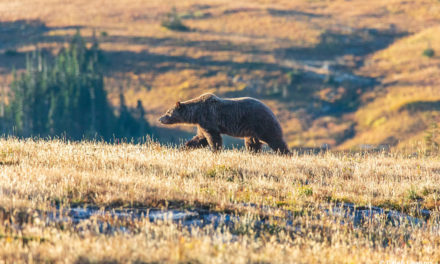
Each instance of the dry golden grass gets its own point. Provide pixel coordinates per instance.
(408, 102)
(40, 175)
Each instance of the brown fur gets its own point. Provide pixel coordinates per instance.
(243, 117)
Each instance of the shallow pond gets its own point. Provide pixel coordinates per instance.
(109, 220)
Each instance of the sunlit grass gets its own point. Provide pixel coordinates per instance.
(42, 175)
(409, 77)
(104, 174)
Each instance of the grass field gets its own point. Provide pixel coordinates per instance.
(44, 176)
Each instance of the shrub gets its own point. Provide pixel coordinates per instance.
(173, 21)
(429, 52)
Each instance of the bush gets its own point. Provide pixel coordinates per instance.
(429, 52)
(174, 22)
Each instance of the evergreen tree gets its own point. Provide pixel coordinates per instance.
(140, 116)
(67, 97)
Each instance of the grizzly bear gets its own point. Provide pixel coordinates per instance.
(245, 117)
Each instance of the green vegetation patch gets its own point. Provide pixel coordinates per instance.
(173, 21)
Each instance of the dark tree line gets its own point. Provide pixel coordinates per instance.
(65, 96)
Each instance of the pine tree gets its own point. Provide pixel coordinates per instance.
(67, 97)
(140, 115)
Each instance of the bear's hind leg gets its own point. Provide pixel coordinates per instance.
(252, 144)
(279, 146)
(199, 141)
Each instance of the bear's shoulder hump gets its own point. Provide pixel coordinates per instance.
(208, 97)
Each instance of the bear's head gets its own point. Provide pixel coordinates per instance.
(174, 115)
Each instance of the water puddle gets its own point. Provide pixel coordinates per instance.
(359, 215)
(109, 220)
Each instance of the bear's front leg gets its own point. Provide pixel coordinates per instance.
(198, 141)
(253, 144)
(214, 139)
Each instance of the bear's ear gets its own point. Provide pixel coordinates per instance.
(178, 105)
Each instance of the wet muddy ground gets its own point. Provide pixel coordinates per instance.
(115, 220)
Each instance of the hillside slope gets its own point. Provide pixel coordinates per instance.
(326, 68)
(403, 109)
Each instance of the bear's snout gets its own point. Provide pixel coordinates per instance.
(165, 119)
(162, 119)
